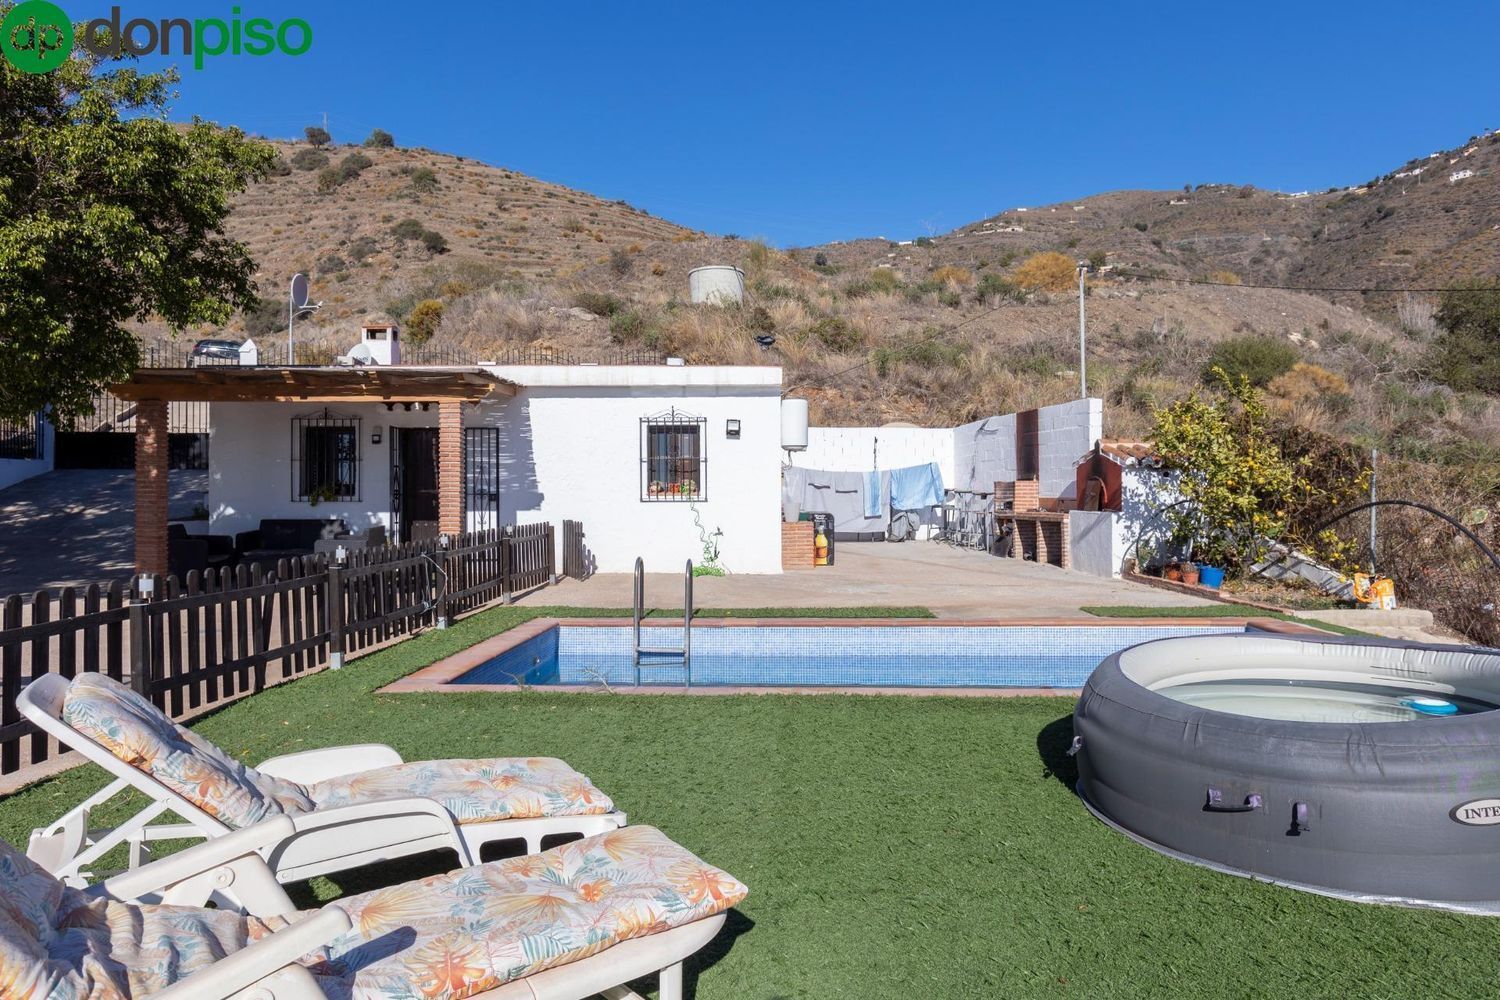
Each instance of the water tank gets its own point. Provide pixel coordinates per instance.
(794, 424)
(717, 283)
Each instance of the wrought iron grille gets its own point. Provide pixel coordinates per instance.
(674, 457)
(23, 439)
(325, 457)
(482, 477)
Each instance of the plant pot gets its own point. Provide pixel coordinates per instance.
(1190, 574)
(1211, 577)
(1173, 573)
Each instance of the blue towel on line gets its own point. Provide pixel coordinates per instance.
(872, 494)
(916, 487)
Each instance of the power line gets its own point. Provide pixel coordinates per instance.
(1294, 288)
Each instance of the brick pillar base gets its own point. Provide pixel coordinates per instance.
(151, 486)
(451, 468)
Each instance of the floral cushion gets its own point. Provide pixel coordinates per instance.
(59, 944)
(474, 791)
(140, 734)
(443, 938)
(457, 935)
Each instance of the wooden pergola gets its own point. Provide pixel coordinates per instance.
(154, 389)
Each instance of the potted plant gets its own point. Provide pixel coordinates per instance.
(1189, 573)
(1172, 572)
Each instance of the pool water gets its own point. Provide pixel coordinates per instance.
(1322, 701)
(830, 655)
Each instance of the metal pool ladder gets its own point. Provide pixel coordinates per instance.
(686, 651)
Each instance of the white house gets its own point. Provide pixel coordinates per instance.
(633, 452)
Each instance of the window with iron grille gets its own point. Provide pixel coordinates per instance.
(325, 457)
(674, 457)
(23, 438)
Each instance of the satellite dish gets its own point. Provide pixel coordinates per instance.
(299, 291)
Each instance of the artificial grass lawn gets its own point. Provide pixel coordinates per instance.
(1213, 611)
(894, 846)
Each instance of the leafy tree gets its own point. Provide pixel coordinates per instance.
(108, 213)
(317, 135)
(1257, 359)
(1467, 353)
(1048, 272)
(1249, 481)
(380, 139)
(423, 321)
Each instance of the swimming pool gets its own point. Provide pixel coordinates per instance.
(807, 654)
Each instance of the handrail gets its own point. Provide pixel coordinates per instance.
(638, 604)
(638, 612)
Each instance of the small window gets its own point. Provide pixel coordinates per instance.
(674, 457)
(325, 458)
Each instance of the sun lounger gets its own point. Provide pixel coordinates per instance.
(350, 805)
(578, 920)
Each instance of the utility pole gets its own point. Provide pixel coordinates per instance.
(1374, 457)
(1083, 374)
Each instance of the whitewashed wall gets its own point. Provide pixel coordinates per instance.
(16, 470)
(570, 448)
(973, 456)
(859, 449)
(1102, 541)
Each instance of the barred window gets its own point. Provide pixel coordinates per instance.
(674, 457)
(325, 458)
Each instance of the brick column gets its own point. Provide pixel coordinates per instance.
(151, 486)
(451, 468)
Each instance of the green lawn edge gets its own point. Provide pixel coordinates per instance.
(1212, 611)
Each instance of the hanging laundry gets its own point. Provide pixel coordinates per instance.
(916, 487)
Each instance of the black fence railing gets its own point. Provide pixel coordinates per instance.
(216, 636)
(24, 439)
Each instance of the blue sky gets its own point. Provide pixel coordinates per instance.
(808, 122)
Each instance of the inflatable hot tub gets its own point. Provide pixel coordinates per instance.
(1366, 769)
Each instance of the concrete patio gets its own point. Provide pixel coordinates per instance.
(954, 583)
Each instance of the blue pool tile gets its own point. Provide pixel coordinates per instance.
(835, 656)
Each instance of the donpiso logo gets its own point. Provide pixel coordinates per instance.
(37, 36)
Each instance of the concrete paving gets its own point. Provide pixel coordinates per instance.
(954, 583)
(74, 527)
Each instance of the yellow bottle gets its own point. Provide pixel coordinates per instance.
(820, 549)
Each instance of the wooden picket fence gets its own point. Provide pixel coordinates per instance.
(214, 637)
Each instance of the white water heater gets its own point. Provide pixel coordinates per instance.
(794, 424)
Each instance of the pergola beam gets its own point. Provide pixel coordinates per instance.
(232, 384)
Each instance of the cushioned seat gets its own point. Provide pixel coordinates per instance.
(473, 791)
(442, 938)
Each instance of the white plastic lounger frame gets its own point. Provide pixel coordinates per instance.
(268, 969)
(327, 840)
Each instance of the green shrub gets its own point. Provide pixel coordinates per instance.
(408, 229)
(268, 317)
(435, 241)
(923, 241)
(628, 327)
(928, 352)
(1466, 354)
(332, 263)
(361, 248)
(423, 321)
(380, 139)
(620, 262)
(760, 320)
(353, 165)
(309, 159)
(998, 286)
(328, 180)
(835, 333)
(279, 167)
(424, 180)
(1258, 359)
(598, 303)
(317, 136)
(820, 260)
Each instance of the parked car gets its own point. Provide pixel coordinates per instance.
(214, 352)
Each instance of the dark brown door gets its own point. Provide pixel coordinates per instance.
(414, 482)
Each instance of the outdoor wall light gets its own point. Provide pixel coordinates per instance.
(732, 428)
(375, 433)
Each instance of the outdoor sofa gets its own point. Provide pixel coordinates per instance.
(186, 552)
(286, 538)
(578, 920)
(349, 806)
